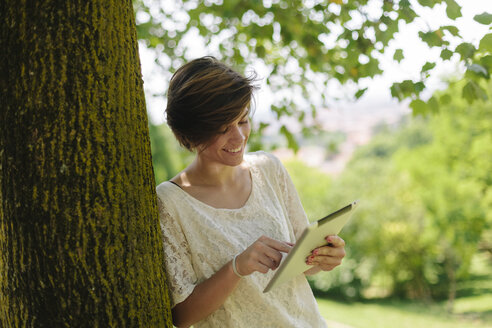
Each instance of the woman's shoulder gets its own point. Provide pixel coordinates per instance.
(163, 188)
(262, 159)
(166, 192)
(267, 165)
(170, 199)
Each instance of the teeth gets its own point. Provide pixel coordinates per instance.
(234, 150)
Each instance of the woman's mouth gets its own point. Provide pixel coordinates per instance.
(234, 150)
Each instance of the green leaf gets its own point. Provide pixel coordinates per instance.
(486, 43)
(472, 91)
(406, 12)
(425, 3)
(484, 18)
(260, 51)
(360, 93)
(418, 87)
(279, 110)
(301, 117)
(446, 54)
(404, 4)
(419, 107)
(433, 38)
(466, 50)
(263, 126)
(291, 141)
(429, 3)
(445, 99)
(486, 61)
(451, 29)
(479, 70)
(406, 89)
(433, 105)
(453, 10)
(398, 56)
(428, 66)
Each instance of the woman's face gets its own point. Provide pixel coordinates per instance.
(229, 145)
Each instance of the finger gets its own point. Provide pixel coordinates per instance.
(260, 267)
(275, 244)
(329, 251)
(268, 262)
(254, 263)
(273, 255)
(335, 241)
(324, 261)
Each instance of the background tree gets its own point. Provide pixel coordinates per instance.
(426, 209)
(80, 243)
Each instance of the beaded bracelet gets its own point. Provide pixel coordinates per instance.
(234, 267)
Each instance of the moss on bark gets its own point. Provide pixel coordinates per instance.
(79, 234)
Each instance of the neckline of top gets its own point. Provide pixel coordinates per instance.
(246, 203)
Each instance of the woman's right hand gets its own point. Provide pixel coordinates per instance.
(264, 254)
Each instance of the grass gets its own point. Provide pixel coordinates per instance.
(404, 314)
(472, 307)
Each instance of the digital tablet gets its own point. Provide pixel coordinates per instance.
(294, 263)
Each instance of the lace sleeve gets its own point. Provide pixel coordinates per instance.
(179, 269)
(295, 211)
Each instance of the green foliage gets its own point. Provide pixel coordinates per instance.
(484, 18)
(291, 141)
(360, 93)
(313, 187)
(168, 158)
(486, 43)
(472, 91)
(297, 40)
(453, 10)
(433, 38)
(406, 89)
(466, 50)
(398, 56)
(446, 54)
(479, 70)
(255, 141)
(426, 204)
(428, 66)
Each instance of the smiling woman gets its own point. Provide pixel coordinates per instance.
(229, 145)
(227, 218)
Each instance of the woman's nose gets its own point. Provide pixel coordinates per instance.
(237, 132)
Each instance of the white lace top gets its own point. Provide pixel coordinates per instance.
(200, 239)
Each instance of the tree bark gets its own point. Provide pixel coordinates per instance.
(80, 244)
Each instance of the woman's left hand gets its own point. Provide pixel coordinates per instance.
(328, 257)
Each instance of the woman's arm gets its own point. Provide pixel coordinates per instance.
(206, 297)
(263, 255)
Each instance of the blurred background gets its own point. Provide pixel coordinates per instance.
(388, 102)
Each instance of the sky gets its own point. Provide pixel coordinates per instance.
(378, 96)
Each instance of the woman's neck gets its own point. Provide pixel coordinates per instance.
(205, 173)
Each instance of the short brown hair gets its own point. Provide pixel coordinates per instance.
(204, 96)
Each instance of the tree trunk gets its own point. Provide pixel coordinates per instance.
(451, 273)
(80, 244)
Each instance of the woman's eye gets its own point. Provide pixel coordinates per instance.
(225, 130)
(243, 122)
